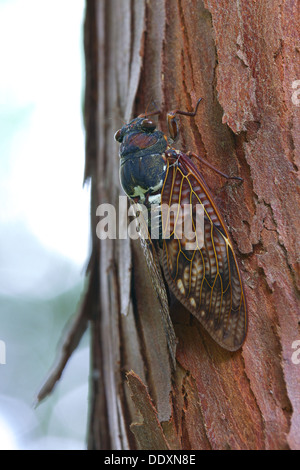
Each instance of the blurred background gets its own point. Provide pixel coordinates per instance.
(44, 220)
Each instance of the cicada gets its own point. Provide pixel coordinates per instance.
(205, 279)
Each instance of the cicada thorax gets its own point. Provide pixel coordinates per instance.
(143, 167)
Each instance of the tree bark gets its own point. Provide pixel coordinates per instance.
(242, 58)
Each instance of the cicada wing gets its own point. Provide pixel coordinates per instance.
(154, 269)
(205, 280)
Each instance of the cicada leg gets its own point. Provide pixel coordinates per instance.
(172, 122)
(148, 113)
(174, 132)
(205, 162)
(153, 113)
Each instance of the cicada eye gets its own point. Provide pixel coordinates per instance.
(118, 136)
(148, 125)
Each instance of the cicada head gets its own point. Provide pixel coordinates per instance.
(139, 136)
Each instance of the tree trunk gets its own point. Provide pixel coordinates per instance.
(241, 57)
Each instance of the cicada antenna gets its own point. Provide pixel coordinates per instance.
(152, 113)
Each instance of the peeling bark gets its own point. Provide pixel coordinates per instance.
(242, 58)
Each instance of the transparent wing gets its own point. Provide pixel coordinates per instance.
(206, 279)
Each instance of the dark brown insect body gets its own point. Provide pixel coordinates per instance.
(206, 279)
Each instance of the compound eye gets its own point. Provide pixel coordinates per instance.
(118, 136)
(148, 125)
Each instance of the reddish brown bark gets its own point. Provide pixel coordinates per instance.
(242, 58)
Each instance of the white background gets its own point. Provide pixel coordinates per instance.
(44, 219)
